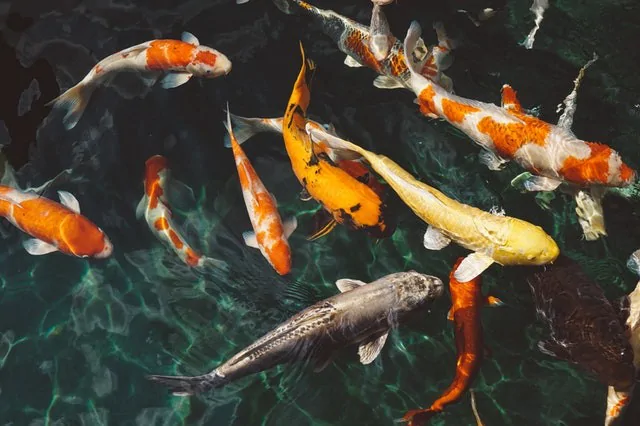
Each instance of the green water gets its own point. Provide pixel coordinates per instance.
(78, 336)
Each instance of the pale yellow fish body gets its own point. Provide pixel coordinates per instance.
(506, 240)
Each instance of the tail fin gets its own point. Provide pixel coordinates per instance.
(73, 101)
(186, 385)
(345, 149)
(244, 128)
(215, 266)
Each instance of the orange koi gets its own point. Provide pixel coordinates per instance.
(154, 207)
(269, 233)
(172, 61)
(467, 301)
(53, 226)
(349, 201)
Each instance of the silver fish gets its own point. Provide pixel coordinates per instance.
(361, 314)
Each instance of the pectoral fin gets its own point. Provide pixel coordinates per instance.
(493, 301)
(450, 314)
(350, 62)
(472, 266)
(180, 195)
(540, 183)
(69, 201)
(492, 160)
(187, 37)
(323, 224)
(370, 350)
(304, 195)
(141, 207)
(554, 349)
(434, 239)
(37, 247)
(347, 284)
(385, 82)
(290, 225)
(250, 239)
(175, 79)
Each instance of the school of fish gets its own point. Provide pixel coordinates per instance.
(337, 175)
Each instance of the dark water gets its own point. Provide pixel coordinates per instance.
(78, 336)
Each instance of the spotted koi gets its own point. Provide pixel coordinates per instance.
(173, 62)
(155, 209)
(269, 232)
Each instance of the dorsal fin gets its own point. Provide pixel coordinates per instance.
(510, 99)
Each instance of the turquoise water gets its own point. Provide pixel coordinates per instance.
(78, 336)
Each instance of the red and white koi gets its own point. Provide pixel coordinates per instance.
(617, 401)
(269, 233)
(174, 62)
(367, 46)
(552, 153)
(53, 226)
(154, 207)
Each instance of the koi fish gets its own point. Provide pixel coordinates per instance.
(493, 237)
(618, 400)
(349, 201)
(467, 301)
(172, 61)
(53, 226)
(551, 152)
(269, 233)
(356, 41)
(154, 207)
(318, 331)
(585, 328)
(244, 128)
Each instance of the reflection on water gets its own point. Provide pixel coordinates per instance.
(78, 336)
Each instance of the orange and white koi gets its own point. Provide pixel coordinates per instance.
(269, 233)
(618, 400)
(155, 209)
(358, 43)
(172, 61)
(53, 226)
(467, 301)
(349, 201)
(552, 152)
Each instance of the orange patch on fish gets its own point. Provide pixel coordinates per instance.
(167, 54)
(191, 257)
(280, 256)
(617, 409)
(427, 104)
(175, 239)
(508, 138)
(205, 57)
(398, 64)
(161, 224)
(510, 98)
(359, 45)
(455, 111)
(594, 169)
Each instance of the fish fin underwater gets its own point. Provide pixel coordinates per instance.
(186, 385)
(244, 128)
(73, 103)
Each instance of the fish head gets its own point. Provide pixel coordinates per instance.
(209, 63)
(415, 290)
(156, 169)
(533, 244)
(83, 238)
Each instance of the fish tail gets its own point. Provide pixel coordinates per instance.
(188, 385)
(285, 6)
(244, 128)
(214, 265)
(73, 102)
